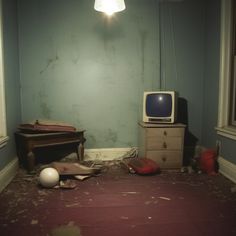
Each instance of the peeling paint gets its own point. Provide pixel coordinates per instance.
(49, 63)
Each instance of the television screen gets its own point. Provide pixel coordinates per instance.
(159, 105)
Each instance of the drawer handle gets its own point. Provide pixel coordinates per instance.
(164, 145)
(163, 159)
(165, 133)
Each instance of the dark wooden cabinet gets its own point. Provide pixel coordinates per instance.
(27, 143)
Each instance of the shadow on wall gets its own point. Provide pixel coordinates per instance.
(190, 140)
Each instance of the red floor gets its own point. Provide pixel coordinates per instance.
(117, 203)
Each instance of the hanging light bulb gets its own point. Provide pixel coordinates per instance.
(109, 6)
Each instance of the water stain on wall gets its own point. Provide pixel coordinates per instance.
(143, 38)
(110, 136)
(75, 113)
(92, 140)
(128, 144)
(45, 109)
(74, 41)
(50, 62)
(75, 59)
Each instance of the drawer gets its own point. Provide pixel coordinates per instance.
(166, 159)
(164, 143)
(154, 132)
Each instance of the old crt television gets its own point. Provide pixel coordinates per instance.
(159, 107)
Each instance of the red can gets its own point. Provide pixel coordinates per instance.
(208, 161)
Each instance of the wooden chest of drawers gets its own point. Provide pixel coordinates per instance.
(162, 143)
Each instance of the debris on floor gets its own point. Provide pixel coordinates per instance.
(165, 198)
(66, 230)
(51, 177)
(121, 200)
(82, 177)
(67, 184)
(73, 169)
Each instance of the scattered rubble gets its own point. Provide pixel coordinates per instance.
(66, 230)
(233, 189)
(165, 198)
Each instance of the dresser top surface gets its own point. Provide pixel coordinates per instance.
(154, 125)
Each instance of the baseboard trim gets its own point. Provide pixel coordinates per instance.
(107, 154)
(228, 169)
(8, 173)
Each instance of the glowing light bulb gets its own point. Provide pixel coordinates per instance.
(109, 13)
(109, 9)
(109, 6)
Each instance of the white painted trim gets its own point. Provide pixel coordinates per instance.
(107, 154)
(228, 169)
(223, 127)
(227, 132)
(3, 127)
(3, 141)
(8, 173)
(225, 48)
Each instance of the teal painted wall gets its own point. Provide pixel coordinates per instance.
(228, 149)
(211, 82)
(79, 67)
(12, 85)
(211, 85)
(183, 56)
(71, 56)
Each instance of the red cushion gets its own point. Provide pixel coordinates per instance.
(144, 166)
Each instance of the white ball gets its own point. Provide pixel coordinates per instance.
(48, 177)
